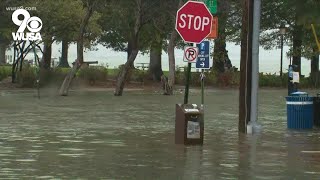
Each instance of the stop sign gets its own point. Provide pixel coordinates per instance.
(193, 22)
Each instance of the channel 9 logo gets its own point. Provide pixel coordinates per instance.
(33, 24)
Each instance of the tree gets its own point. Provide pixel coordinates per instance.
(172, 44)
(142, 16)
(162, 25)
(89, 7)
(220, 51)
(155, 67)
(125, 25)
(49, 12)
(297, 15)
(68, 27)
(6, 28)
(117, 22)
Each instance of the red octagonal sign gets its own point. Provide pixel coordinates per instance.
(193, 22)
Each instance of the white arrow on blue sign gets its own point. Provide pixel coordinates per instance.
(203, 60)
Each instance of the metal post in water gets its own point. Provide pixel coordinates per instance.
(186, 92)
(202, 87)
(37, 69)
(255, 61)
(281, 59)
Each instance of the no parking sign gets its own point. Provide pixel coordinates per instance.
(190, 54)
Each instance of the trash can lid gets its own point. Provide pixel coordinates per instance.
(299, 93)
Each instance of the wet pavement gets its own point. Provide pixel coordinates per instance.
(94, 135)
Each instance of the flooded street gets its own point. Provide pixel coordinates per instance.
(94, 135)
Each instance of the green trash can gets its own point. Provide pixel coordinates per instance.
(300, 111)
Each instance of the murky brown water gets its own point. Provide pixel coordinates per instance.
(94, 135)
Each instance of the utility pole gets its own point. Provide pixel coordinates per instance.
(255, 64)
(281, 59)
(246, 65)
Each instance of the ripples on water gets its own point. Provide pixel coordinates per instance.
(96, 135)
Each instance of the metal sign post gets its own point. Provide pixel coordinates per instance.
(186, 92)
(202, 76)
(194, 24)
(203, 62)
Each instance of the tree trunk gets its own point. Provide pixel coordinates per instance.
(315, 61)
(64, 54)
(165, 86)
(297, 46)
(297, 43)
(80, 50)
(155, 67)
(172, 61)
(2, 53)
(46, 58)
(68, 79)
(129, 52)
(83, 27)
(171, 56)
(124, 73)
(219, 54)
(64, 89)
(315, 67)
(135, 49)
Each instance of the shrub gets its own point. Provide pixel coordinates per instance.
(5, 71)
(195, 79)
(138, 75)
(53, 76)
(27, 77)
(272, 80)
(92, 74)
(180, 76)
(306, 83)
(211, 78)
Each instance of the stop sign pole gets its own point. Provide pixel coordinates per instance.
(193, 23)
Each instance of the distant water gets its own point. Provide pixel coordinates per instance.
(269, 60)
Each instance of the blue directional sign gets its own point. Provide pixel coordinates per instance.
(203, 61)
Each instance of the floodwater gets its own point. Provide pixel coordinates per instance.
(94, 135)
